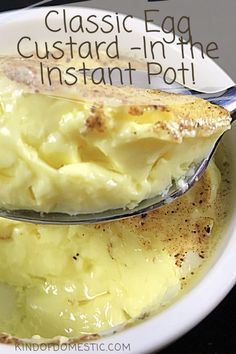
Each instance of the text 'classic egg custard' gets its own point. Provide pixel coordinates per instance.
(97, 147)
(77, 280)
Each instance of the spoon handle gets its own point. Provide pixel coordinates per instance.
(227, 100)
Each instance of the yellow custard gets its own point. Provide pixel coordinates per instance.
(90, 149)
(76, 280)
(98, 148)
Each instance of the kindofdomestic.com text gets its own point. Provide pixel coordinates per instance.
(76, 347)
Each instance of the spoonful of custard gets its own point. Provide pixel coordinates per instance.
(92, 153)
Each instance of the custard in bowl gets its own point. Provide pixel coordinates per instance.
(74, 282)
(93, 149)
(78, 281)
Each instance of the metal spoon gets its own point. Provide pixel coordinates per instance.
(226, 99)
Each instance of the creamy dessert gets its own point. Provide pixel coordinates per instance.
(88, 149)
(96, 147)
(73, 281)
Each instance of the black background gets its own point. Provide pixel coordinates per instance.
(17, 4)
(217, 333)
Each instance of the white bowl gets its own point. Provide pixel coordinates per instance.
(158, 331)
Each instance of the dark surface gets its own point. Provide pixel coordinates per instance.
(17, 4)
(214, 335)
(217, 333)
